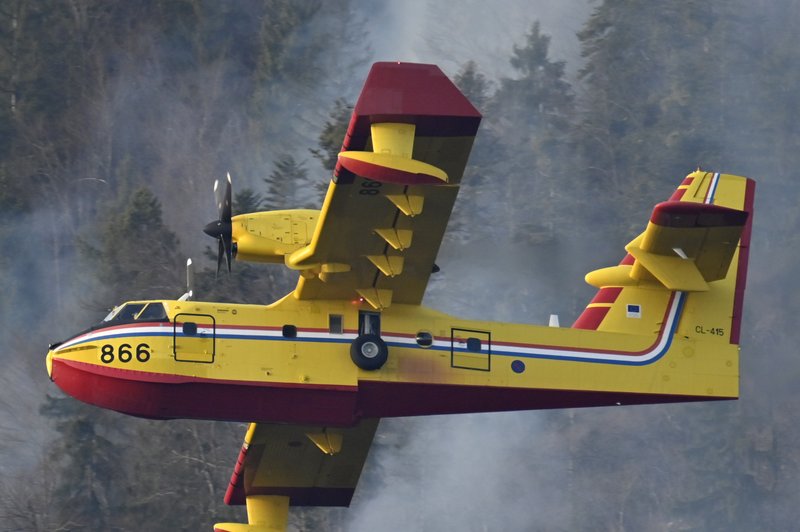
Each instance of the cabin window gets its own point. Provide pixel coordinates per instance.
(335, 324)
(289, 331)
(424, 339)
(474, 345)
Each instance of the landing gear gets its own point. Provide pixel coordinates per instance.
(369, 352)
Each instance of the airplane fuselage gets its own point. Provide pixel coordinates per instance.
(290, 362)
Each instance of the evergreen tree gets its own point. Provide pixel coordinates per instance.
(468, 221)
(245, 201)
(91, 487)
(473, 84)
(332, 135)
(651, 106)
(282, 183)
(329, 144)
(137, 256)
(534, 112)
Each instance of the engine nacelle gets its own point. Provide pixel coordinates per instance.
(269, 236)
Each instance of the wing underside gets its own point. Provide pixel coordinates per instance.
(393, 189)
(311, 465)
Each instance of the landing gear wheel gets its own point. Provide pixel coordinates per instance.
(369, 352)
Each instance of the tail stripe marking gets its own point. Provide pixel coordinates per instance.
(712, 189)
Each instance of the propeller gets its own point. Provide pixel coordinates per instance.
(222, 228)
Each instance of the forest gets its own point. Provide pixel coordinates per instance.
(116, 118)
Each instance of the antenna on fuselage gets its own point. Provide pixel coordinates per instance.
(189, 282)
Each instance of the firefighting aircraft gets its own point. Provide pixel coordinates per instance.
(316, 370)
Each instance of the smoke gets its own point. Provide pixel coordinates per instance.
(500, 471)
(35, 288)
(462, 472)
(470, 472)
(475, 472)
(451, 33)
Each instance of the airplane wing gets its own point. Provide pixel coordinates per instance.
(313, 466)
(392, 191)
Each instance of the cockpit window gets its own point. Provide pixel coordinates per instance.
(129, 312)
(137, 312)
(152, 312)
(111, 314)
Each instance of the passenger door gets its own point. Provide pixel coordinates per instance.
(194, 338)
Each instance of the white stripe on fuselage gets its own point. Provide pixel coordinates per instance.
(406, 341)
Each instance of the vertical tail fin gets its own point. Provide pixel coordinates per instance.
(696, 244)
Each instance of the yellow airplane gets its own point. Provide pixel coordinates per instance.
(316, 370)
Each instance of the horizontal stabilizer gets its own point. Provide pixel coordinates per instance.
(675, 273)
(687, 245)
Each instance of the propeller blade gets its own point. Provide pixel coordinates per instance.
(222, 229)
(227, 244)
(220, 254)
(225, 210)
(218, 199)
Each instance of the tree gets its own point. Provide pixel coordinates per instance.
(473, 84)
(533, 112)
(468, 218)
(246, 200)
(332, 135)
(282, 183)
(137, 256)
(91, 486)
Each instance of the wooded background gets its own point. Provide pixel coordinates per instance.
(116, 117)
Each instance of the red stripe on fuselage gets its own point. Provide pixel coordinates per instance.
(607, 294)
(591, 318)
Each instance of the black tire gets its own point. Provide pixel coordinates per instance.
(369, 352)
